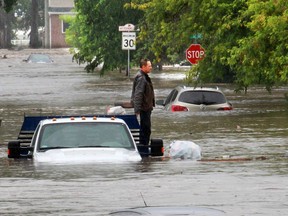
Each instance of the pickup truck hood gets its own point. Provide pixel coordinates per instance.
(87, 155)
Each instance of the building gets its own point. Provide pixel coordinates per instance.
(54, 26)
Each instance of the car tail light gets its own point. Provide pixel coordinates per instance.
(225, 108)
(177, 108)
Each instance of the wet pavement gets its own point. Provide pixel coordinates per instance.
(257, 129)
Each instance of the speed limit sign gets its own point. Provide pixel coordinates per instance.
(128, 40)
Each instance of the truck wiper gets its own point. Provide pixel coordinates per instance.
(54, 147)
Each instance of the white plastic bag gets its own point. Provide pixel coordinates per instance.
(181, 149)
(117, 110)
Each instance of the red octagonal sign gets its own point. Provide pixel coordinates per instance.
(195, 53)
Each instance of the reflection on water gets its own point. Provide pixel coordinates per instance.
(258, 126)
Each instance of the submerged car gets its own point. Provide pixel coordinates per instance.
(159, 210)
(38, 58)
(184, 98)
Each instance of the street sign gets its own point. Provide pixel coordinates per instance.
(128, 40)
(126, 28)
(195, 53)
(196, 36)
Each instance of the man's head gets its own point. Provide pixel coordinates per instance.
(145, 65)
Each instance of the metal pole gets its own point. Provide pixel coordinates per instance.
(128, 66)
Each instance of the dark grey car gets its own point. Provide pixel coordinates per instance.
(39, 58)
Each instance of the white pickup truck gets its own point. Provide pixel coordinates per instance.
(63, 139)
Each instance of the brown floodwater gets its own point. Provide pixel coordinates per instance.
(256, 130)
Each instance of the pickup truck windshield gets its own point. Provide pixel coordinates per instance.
(81, 135)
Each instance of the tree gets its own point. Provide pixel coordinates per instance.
(23, 15)
(6, 20)
(163, 28)
(95, 34)
(261, 56)
(26, 9)
(220, 26)
(29, 18)
(34, 36)
(7, 5)
(245, 40)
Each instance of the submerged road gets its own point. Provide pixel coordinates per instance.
(256, 129)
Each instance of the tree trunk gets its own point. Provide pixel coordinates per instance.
(34, 36)
(5, 29)
(2, 28)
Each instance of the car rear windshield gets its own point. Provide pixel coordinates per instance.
(81, 135)
(40, 58)
(202, 97)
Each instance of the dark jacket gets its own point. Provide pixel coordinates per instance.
(142, 98)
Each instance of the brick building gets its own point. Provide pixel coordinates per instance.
(54, 26)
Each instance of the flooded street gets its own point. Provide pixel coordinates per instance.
(257, 129)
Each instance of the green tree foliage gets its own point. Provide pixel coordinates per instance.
(177, 23)
(164, 27)
(220, 26)
(261, 56)
(245, 41)
(94, 32)
(7, 5)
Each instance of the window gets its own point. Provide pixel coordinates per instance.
(77, 135)
(202, 97)
(171, 96)
(65, 26)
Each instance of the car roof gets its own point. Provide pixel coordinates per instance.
(39, 58)
(82, 120)
(188, 88)
(171, 210)
(39, 54)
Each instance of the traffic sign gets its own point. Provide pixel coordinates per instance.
(196, 36)
(127, 27)
(195, 53)
(128, 40)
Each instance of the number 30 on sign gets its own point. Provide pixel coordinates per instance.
(128, 41)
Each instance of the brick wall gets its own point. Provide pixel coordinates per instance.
(57, 36)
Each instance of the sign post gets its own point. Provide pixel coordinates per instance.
(128, 41)
(195, 53)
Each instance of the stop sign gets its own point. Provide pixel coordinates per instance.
(195, 53)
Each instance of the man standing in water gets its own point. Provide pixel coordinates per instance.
(143, 99)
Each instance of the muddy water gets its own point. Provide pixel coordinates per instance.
(256, 129)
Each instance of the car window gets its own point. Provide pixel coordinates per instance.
(171, 96)
(40, 58)
(202, 97)
(64, 135)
